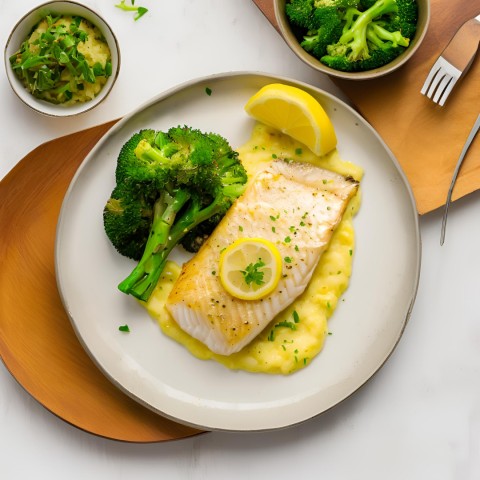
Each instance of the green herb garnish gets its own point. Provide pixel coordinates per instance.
(139, 11)
(284, 323)
(124, 328)
(253, 274)
(51, 66)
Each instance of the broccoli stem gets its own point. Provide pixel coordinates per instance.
(165, 211)
(355, 31)
(165, 235)
(379, 35)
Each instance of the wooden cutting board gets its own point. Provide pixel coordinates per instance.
(37, 342)
(425, 138)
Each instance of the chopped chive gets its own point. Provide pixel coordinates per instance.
(139, 11)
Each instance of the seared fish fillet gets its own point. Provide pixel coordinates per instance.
(303, 204)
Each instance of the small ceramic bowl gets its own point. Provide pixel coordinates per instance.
(24, 27)
(293, 43)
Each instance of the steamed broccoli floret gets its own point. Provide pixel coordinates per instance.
(354, 35)
(353, 42)
(308, 14)
(124, 167)
(406, 18)
(168, 185)
(319, 22)
(127, 218)
(325, 27)
(340, 4)
(299, 12)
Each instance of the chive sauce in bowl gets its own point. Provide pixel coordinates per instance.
(62, 59)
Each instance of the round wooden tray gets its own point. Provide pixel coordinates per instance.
(37, 342)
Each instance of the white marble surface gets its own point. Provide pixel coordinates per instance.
(419, 418)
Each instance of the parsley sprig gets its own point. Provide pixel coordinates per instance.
(253, 274)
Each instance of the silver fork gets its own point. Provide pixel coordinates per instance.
(453, 62)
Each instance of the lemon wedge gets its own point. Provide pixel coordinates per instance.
(250, 268)
(295, 113)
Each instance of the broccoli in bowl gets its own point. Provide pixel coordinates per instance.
(353, 35)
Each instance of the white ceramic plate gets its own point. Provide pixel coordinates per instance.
(162, 374)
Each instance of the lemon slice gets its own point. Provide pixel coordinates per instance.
(250, 268)
(295, 113)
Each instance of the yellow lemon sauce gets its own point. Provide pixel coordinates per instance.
(296, 335)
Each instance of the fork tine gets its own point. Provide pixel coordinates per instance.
(440, 81)
(442, 85)
(442, 94)
(453, 62)
(431, 75)
(437, 79)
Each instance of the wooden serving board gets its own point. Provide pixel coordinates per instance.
(37, 342)
(425, 138)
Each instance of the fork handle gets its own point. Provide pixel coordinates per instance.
(461, 50)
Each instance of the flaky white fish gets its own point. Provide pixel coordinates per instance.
(295, 205)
